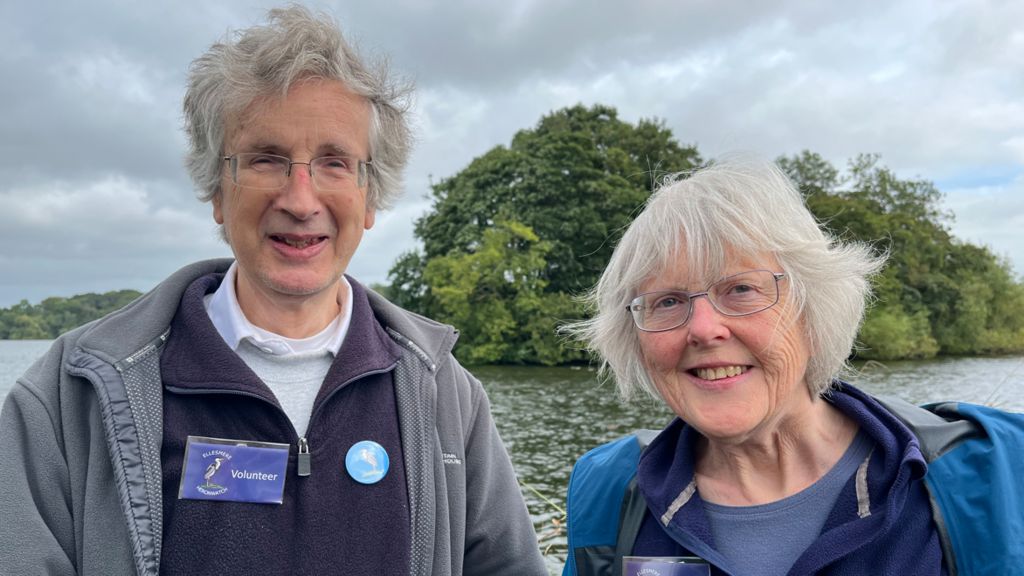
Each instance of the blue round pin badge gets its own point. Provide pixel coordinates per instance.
(367, 462)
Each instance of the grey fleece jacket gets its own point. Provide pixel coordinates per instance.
(80, 437)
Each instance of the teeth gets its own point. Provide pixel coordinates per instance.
(721, 372)
(299, 243)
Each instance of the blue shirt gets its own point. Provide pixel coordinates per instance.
(766, 539)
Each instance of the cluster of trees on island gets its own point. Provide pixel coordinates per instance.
(513, 239)
(54, 316)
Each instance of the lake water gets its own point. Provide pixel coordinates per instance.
(15, 357)
(549, 416)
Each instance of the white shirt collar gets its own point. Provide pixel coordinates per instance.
(229, 320)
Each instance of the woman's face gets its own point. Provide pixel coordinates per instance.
(731, 378)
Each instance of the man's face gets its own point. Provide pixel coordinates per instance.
(294, 243)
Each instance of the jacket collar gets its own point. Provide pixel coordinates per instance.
(198, 358)
(665, 473)
(145, 321)
(231, 323)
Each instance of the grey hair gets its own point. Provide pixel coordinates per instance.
(739, 207)
(265, 61)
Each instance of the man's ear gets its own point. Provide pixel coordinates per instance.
(218, 209)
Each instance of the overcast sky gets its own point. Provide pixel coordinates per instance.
(93, 196)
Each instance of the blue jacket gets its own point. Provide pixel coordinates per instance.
(971, 491)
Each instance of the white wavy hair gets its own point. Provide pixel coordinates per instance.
(738, 207)
(265, 61)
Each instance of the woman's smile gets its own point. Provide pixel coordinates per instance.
(728, 376)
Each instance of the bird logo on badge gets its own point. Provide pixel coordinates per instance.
(367, 462)
(211, 470)
(209, 487)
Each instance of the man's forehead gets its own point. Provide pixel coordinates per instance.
(322, 129)
(312, 114)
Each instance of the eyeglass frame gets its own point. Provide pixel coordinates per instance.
(362, 168)
(691, 296)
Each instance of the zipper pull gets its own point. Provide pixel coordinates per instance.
(303, 457)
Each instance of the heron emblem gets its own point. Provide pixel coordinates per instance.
(211, 470)
(368, 456)
(367, 462)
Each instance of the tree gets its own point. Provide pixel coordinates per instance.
(54, 316)
(496, 297)
(576, 181)
(937, 294)
(512, 238)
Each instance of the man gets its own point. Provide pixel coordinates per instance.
(267, 415)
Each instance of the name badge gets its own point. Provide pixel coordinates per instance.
(665, 566)
(233, 470)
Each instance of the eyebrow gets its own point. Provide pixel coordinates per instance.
(331, 149)
(326, 149)
(264, 146)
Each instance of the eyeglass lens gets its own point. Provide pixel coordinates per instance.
(736, 295)
(271, 172)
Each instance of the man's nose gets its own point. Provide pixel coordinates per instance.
(299, 196)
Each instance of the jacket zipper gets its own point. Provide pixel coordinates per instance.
(304, 468)
(303, 463)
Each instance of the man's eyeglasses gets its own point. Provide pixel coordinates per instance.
(737, 295)
(271, 172)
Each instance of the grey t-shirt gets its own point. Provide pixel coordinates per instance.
(295, 379)
(767, 539)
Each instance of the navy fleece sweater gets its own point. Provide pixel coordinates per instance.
(328, 522)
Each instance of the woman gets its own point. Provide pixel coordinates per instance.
(727, 301)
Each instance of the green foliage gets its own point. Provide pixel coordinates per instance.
(891, 333)
(523, 228)
(407, 288)
(382, 289)
(496, 297)
(812, 174)
(937, 294)
(981, 308)
(54, 316)
(575, 181)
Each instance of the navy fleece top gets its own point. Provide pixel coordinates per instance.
(887, 531)
(328, 522)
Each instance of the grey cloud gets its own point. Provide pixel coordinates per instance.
(489, 46)
(932, 87)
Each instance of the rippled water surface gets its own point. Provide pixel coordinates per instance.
(548, 417)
